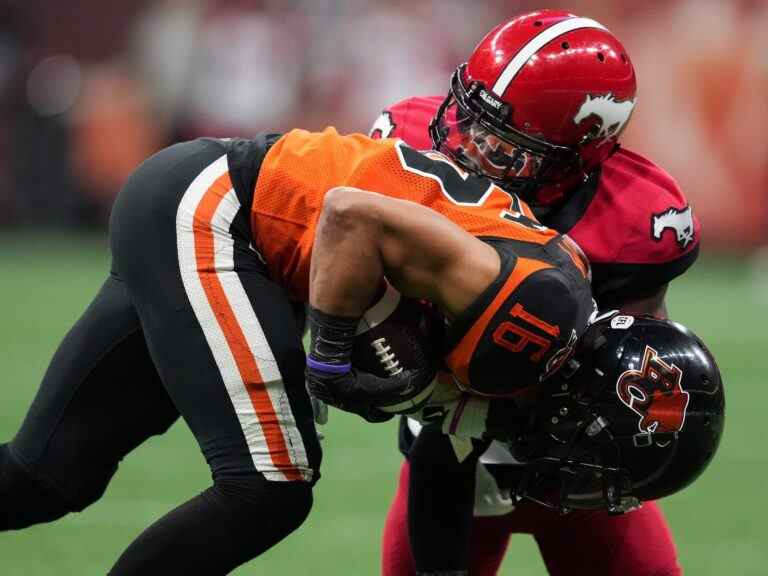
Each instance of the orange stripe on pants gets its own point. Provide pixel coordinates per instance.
(225, 316)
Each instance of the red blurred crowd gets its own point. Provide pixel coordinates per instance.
(90, 88)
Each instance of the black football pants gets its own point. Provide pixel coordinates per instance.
(187, 323)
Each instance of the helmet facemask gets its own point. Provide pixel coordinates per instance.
(472, 126)
(576, 462)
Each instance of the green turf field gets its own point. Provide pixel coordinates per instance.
(45, 284)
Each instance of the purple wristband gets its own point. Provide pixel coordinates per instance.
(329, 368)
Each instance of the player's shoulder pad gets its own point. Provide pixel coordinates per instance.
(521, 328)
(649, 218)
(408, 119)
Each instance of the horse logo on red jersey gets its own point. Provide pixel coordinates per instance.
(655, 394)
(613, 114)
(383, 127)
(681, 221)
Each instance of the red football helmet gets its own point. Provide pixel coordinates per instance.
(539, 105)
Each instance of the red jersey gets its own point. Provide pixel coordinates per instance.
(631, 219)
(300, 167)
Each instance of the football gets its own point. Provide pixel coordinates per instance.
(396, 334)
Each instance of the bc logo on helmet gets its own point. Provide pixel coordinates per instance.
(654, 393)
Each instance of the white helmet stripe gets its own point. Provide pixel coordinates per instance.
(537, 43)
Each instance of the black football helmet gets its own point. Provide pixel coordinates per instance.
(636, 414)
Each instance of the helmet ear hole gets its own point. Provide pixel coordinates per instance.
(565, 46)
(601, 56)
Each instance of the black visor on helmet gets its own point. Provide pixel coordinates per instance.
(472, 127)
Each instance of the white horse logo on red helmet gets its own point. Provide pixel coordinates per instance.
(613, 115)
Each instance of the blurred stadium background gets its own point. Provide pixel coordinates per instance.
(89, 88)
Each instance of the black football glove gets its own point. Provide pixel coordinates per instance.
(360, 392)
(331, 378)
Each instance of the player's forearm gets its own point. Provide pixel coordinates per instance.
(362, 236)
(346, 269)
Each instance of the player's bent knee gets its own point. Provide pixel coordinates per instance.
(27, 499)
(252, 495)
(90, 490)
(24, 500)
(247, 502)
(295, 500)
(230, 523)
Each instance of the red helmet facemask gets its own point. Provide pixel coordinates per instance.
(470, 127)
(539, 104)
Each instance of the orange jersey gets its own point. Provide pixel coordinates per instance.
(302, 166)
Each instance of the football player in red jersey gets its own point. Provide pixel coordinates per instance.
(538, 107)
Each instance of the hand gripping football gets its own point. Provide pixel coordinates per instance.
(396, 334)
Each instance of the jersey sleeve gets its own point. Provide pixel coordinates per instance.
(639, 232)
(523, 327)
(408, 120)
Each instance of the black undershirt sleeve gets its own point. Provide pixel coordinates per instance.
(614, 283)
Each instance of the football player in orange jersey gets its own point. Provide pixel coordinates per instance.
(215, 244)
